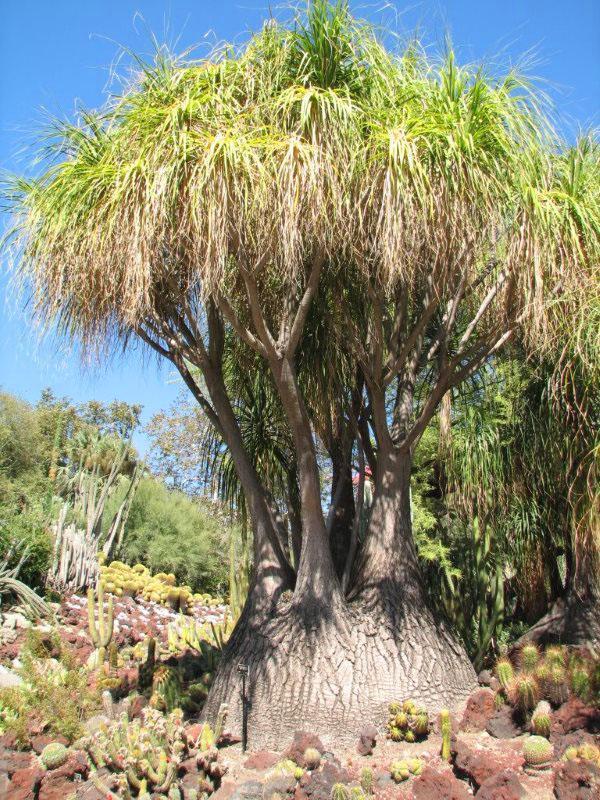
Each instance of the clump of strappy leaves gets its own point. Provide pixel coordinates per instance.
(407, 722)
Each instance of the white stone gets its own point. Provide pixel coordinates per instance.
(8, 678)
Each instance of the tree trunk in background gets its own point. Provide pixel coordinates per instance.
(318, 663)
(342, 498)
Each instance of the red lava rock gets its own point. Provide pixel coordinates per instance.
(503, 786)
(188, 766)
(480, 709)
(577, 780)
(480, 765)
(575, 739)
(76, 764)
(8, 740)
(300, 743)
(575, 715)
(434, 785)
(12, 760)
(39, 742)
(55, 787)
(317, 785)
(367, 740)
(25, 783)
(263, 759)
(502, 725)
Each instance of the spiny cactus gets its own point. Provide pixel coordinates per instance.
(580, 682)
(415, 765)
(525, 693)
(399, 771)
(144, 753)
(166, 689)
(113, 656)
(312, 758)
(356, 793)
(541, 723)
(589, 752)
(498, 700)
(538, 752)
(555, 655)
(504, 672)
(146, 670)
(54, 755)
(366, 780)
(529, 657)
(339, 792)
(446, 731)
(394, 708)
(555, 686)
(100, 633)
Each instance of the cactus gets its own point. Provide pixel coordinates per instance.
(339, 792)
(589, 752)
(366, 780)
(54, 755)
(571, 753)
(529, 658)
(410, 737)
(166, 689)
(538, 752)
(504, 672)
(525, 693)
(415, 765)
(498, 700)
(446, 730)
(146, 671)
(394, 708)
(113, 656)
(555, 686)
(409, 707)
(312, 758)
(101, 634)
(399, 771)
(298, 773)
(555, 655)
(407, 722)
(541, 724)
(580, 682)
(107, 704)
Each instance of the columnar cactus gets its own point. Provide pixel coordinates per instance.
(366, 780)
(54, 755)
(525, 693)
(446, 730)
(504, 672)
(166, 689)
(529, 657)
(100, 633)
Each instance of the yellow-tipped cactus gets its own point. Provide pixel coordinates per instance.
(446, 731)
(100, 633)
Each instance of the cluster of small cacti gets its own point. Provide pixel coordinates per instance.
(407, 722)
(402, 770)
(211, 769)
(144, 753)
(538, 753)
(585, 752)
(54, 755)
(548, 675)
(122, 580)
(286, 767)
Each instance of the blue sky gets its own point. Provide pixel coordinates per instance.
(53, 54)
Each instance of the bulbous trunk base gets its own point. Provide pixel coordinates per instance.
(331, 672)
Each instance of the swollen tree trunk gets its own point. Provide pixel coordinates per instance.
(332, 668)
(342, 506)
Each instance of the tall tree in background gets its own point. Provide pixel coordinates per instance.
(247, 197)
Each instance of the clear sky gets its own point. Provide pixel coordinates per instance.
(54, 53)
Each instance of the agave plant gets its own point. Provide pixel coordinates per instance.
(10, 585)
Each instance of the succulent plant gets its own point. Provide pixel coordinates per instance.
(538, 752)
(589, 752)
(525, 693)
(394, 708)
(410, 737)
(399, 771)
(446, 730)
(312, 758)
(415, 765)
(166, 689)
(555, 685)
(339, 792)
(409, 707)
(555, 655)
(581, 683)
(407, 722)
(100, 633)
(541, 724)
(146, 670)
(529, 657)
(366, 780)
(499, 700)
(54, 755)
(504, 672)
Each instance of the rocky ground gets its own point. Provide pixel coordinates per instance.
(487, 744)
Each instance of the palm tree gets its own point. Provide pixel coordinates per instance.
(220, 198)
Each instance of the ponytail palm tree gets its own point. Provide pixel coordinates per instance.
(218, 199)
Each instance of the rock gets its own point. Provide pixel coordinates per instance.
(484, 678)
(39, 742)
(55, 787)
(224, 791)
(136, 705)
(278, 787)
(12, 760)
(575, 715)
(367, 740)
(301, 742)
(479, 765)
(4, 785)
(261, 760)
(25, 783)
(434, 785)
(8, 678)
(577, 780)
(250, 790)
(479, 711)
(502, 724)
(503, 786)
(317, 785)
(76, 766)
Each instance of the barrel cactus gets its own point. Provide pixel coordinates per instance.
(525, 693)
(54, 755)
(541, 719)
(312, 758)
(529, 657)
(399, 771)
(538, 753)
(504, 672)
